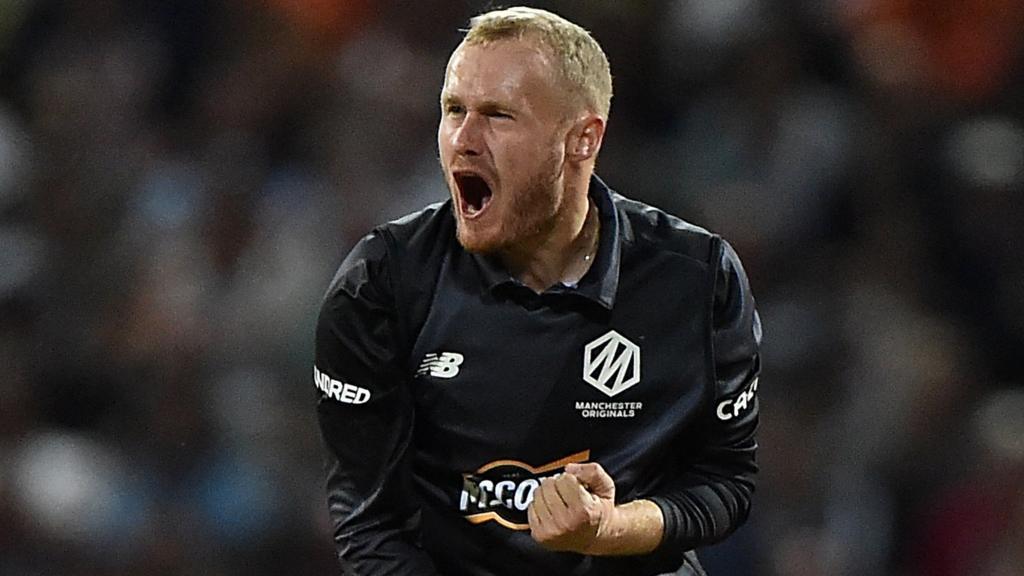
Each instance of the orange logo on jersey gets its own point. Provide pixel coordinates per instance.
(502, 490)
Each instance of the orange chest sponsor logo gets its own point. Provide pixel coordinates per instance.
(502, 490)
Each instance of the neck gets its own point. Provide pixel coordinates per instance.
(564, 254)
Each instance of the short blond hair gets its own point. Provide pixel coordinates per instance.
(580, 59)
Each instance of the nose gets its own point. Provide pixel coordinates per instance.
(467, 137)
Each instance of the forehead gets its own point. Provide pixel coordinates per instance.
(500, 70)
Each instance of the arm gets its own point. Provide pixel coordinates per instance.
(577, 511)
(712, 497)
(365, 414)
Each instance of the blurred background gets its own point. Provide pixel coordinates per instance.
(179, 181)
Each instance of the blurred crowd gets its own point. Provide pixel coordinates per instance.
(179, 181)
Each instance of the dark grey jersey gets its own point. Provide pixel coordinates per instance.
(447, 390)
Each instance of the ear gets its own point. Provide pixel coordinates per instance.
(585, 137)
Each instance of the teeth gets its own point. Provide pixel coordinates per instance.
(472, 209)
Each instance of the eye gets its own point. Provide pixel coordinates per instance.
(454, 109)
(500, 115)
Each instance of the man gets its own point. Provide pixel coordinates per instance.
(538, 376)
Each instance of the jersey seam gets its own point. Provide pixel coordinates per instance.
(715, 255)
(393, 263)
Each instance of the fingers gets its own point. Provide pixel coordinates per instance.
(572, 493)
(543, 524)
(594, 478)
(568, 509)
(559, 512)
(540, 507)
(532, 518)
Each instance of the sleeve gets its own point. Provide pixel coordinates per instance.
(711, 497)
(365, 413)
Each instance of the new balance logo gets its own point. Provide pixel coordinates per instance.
(611, 363)
(441, 364)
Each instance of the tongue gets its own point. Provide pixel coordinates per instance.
(480, 204)
(476, 193)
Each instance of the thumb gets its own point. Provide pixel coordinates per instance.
(594, 478)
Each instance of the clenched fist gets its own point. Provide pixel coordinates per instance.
(570, 511)
(576, 512)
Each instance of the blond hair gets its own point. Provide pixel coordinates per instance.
(579, 58)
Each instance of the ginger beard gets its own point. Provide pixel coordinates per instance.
(515, 216)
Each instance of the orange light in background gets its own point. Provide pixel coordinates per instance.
(325, 24)
(964, 48)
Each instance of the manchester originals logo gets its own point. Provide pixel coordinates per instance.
(502, 490)
(611, 363)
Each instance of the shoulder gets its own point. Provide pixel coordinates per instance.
(651, 229)
(420, 231)
(378, 257)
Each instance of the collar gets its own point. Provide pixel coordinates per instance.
(601, 282)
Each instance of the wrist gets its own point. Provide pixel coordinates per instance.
(628, 529)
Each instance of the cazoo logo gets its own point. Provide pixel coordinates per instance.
(502, 490)
(729, 409)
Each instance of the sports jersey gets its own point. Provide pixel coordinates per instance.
(447, 390)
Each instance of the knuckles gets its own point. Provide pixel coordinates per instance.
(569, 527)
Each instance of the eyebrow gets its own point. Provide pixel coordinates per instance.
(448, 99)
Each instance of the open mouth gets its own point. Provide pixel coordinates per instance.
(474, 193)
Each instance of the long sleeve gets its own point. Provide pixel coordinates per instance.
(365, 412)
(711, 496)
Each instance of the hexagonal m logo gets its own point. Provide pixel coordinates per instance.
(611, 363)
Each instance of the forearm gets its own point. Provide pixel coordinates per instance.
(705, 509)
(633, 528)
(376, 527)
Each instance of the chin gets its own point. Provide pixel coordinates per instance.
(477, 243)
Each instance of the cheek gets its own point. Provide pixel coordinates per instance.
(441, 139)
(556, 156)
(446, 129)
(548, 151)
(526, 155)
(548, 161)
